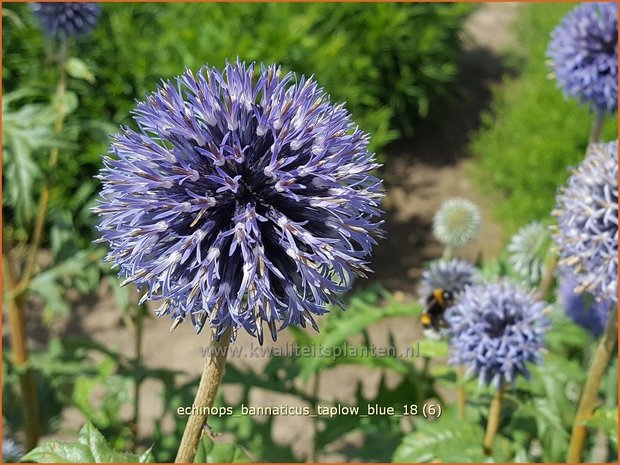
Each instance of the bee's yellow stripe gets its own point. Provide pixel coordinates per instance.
(438, 294)
(426, 319)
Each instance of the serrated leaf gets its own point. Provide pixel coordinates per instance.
(91, 447)
(442, 441)
(78, 69)
(147, 456)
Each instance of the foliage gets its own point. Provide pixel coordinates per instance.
(91, 447)
(531, 128)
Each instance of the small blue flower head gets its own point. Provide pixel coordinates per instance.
(587, 230)
(453, 275)
(583, 309)
(457, 222)
(245, 197)
(527, 249)
(66, 19)
(12, 451)
(584, 55)
(495, 330)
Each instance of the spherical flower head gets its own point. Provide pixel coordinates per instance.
(66, 19)
(495, 330)
(527, 250)
(12, 451)
(587, 230)
(453, 275)
(584, 55)
(457, 222)
(583, 309)
(244, 198)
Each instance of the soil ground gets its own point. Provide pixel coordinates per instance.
(419, 175)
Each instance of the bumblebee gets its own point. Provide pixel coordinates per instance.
(436, 304)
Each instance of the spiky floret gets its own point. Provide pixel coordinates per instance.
(587, 231)
(527, 249)
(584, 55)
(244, 198)
(453, 275)
(66, 19)
(495, 330)
(457, 222)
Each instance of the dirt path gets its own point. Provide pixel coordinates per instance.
(420, 175)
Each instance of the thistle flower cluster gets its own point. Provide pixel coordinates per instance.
(454, 275)
(66, 19)
(584, 55)
(244, 198)
(583, 309)
(587, 230)
(456, 223)
(496, 330)
(527, 250)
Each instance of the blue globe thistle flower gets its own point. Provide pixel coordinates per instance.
(527, 249)
(457, 222)
(495, 330)
(66, 19)
(584, 55)
(244, 198)
(453, 275)
(12, 451)
(583, 309)
(587, 230)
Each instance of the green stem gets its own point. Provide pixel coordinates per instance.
(493, 421)
(37, 235)
(205, 396)
(589, 395)
(462, 394)
(597, 127)
(19, 345)
(138, 326)
(315, 419)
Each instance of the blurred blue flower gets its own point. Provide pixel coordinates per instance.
(453, 275)
(587, 232)
(12, 451)
(584, 54)
(584, 310)
(66, 19)
(245, 197)
(495, 330)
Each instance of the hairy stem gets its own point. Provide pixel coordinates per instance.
(19, 346)
(597, 127)
(138, 324)
(547, 280)
(462, 395)
(493, 422)
(588, 397)
(205, 396)
(315, 420)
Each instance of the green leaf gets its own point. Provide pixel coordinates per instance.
(91, 447)
(147, 456)
(605, 419)
(432, 348)
(442, 441)
(212, 452)
(78, 69)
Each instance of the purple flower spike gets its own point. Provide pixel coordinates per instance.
(244, 198)
(495, 331)
(584, 55)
